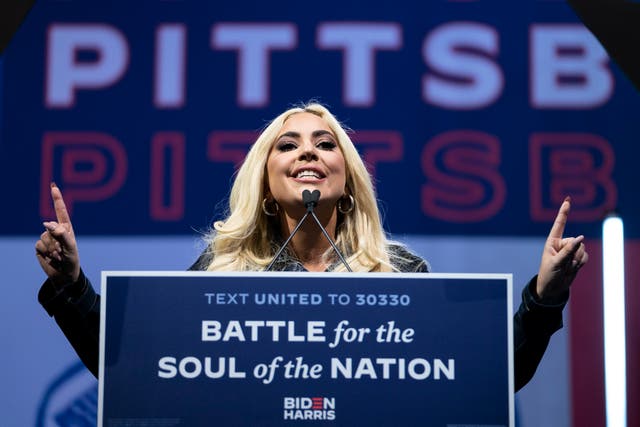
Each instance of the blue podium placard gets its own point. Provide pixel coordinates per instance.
(264, 349)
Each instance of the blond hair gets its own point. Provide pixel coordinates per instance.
(247, 239)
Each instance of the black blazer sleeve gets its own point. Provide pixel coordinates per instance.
(76, 309)
(533, 325)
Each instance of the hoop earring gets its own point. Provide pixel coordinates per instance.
(266, 211)
(352, 204)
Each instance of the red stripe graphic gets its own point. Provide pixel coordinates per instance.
(317, 402)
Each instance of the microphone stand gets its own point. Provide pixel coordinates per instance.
(310, 200)
(313, 201)
(286, 242)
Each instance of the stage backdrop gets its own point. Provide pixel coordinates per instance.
(475, 118)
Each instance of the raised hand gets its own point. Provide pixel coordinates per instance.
(561, 260)
(57, 250)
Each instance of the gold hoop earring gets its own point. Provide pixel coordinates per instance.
(352, 204)
(266, 211)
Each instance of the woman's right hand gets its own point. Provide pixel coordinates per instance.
(57, 250)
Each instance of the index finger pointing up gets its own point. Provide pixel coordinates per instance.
(58, 204)
(557, 230)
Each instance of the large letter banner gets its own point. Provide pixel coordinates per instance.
(263, 349)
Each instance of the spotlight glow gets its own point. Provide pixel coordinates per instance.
(614, 322)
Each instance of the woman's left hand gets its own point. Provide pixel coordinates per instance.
(561, 260)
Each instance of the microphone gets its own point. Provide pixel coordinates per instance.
(310, 201)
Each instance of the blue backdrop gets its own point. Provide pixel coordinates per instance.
(476, 119)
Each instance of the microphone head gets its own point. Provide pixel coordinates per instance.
(310, 198)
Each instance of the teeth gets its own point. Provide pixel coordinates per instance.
(307, 174)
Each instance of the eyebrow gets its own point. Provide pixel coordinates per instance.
(314, 134)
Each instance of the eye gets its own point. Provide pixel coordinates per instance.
(286, 146)
(326, 145)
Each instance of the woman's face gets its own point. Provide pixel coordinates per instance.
(306, 156)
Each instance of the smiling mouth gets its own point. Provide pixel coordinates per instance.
(308, 174)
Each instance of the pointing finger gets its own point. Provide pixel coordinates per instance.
(58, 204)
(557, 230)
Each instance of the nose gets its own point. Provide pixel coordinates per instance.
(308, 151)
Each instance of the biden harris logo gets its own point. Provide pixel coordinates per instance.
(70, 400)
(309, 408)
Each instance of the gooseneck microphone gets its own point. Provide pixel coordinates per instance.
(306, 195)
(310, 200)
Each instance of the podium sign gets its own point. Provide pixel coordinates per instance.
(258, 349)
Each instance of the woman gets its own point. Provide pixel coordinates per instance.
(304, 149)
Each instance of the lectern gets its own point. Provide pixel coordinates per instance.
(258, 349)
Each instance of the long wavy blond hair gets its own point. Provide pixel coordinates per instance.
(247, 239)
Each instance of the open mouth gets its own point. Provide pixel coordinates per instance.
(308, 174)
